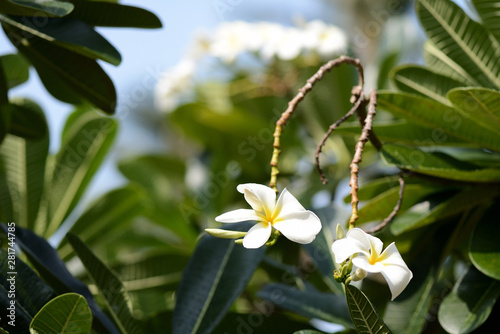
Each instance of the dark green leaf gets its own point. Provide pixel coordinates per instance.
(30, 293)
(464, 41)
(76, 163)
(65, 81)
(461, 202)
(437, 164)
(36, 8)
(216, 275)
(438, 117)
(24, 160)
(309, 303)
(422, 81)
(110, 287)
(67, 313)
(74, 35)
(470, 302)
(109, 213)
(363, 314)
(108, 14)
(26, 119)
(308, 331)
(52, 269)
(480, 105)
(15, 68)
(484, 250)
(489, 12)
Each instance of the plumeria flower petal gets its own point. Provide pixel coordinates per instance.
(286, 215)
(371, 258)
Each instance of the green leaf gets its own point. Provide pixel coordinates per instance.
(437, 164)
(107, 214)
(27, 119)
(308, 331)
(422, 81)
(380, 206)
(439, 62)
(74, 35)
(111, 289)
(36, 8)
(489, 12)
(434, 115)
(75, 164)
(470, 302)
(460, 202)
(407, 133)
(480, 105)
(484, 250)
(108, 14)
(65, 81)
(216, 275)
(363, 314)
(67, 313)
(308, 303)
(52, 269)
(16, 69)
(464, 41)
(24, 160)
(30, 291)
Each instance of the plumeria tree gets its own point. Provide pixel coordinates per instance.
(298, 192)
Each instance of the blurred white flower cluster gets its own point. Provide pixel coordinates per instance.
(268, 41)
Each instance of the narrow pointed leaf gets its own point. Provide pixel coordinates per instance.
(65, 314)
(107, 214)
(470, 302)
(439, 62)
(24, 160)
(65, 81)
(480, 105)
(32, 8)
(363, 314)
(216, 275)
(484, 250)
(16, 69)
(437, 164)
(458, 203)
(434, 115)
(489, 11)
(466, 42)
(31, 293)
(73, 35)
(422, 81)
(76, 163)
(110, 287)
(108, 14)
(52, 269)
(310, 304)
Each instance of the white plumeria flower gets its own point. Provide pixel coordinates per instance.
(371, 258)
(286, 215)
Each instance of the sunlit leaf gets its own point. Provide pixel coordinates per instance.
(489, 12)
(32, 8)
(422, 81)
(463, 40)
(67, 313)
(469, 303)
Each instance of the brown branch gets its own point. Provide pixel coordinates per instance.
(356, 160)
(360, 100)
(395, 210)
(292, 105)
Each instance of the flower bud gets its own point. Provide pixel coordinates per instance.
(359, 274)
(340, 232)
(225, 234)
